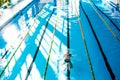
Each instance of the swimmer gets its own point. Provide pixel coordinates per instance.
(67, 61)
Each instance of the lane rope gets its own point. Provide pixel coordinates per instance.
(85, 44)
(51, 44)
(106, 24)
(36, 52)
(98, 42)
(18, 47)
(8, 50)
(116, 26)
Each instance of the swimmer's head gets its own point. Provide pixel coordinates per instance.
(67, 55)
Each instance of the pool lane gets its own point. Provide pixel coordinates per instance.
(20, 51)
(94, 47)
(107, 43)
(110, 12)
(106, 23)
(113, 23)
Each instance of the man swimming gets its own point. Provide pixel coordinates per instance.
(67, 64)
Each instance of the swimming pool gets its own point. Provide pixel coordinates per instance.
(33, 44)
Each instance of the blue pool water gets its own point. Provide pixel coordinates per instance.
(42, 32)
